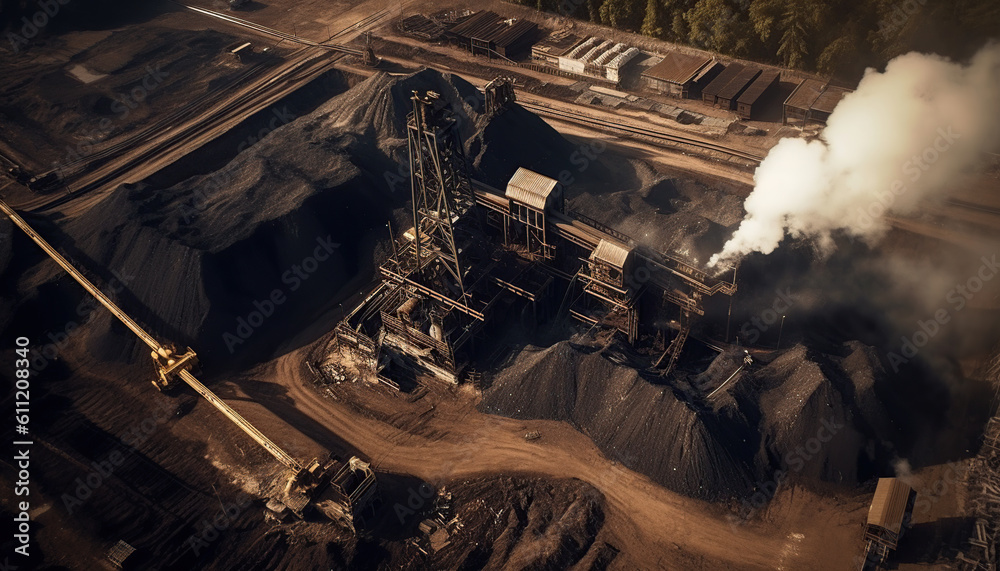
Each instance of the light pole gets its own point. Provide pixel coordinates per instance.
(780, 329)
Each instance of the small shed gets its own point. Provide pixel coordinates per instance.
(675, 74)
(757, 94)
(533, 191)
(711, 91)
(890, 511)
(728, 95)
(801, 100)
(530, 196)
(610, 262)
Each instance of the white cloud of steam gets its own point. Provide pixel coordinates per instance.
(905, 134)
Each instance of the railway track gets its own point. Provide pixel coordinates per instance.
(88, 161)
(661, 137)
(372, 20)
(304, 70)
(973, 206)
(291, 37)
(172, 135)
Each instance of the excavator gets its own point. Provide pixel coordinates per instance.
(338, 490)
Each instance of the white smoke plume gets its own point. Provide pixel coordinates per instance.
(907, 133)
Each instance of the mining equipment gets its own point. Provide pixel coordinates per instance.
(499, 95)
(477, 256)
(338, 490)
(888, 517)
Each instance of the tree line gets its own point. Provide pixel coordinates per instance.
(839, 38)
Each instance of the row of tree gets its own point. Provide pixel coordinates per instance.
(837, 37)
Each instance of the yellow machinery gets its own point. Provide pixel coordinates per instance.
(304, 484)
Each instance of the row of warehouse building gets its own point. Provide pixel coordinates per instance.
(738, 87)
(742, 88)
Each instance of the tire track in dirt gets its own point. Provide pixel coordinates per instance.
(645, 521)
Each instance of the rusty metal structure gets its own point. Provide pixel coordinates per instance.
(499, 95)
(983, 481)
(479, 259)
(337, 489)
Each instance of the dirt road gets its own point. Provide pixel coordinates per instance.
(654, 528)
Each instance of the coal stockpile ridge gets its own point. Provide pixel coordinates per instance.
(818, 411)
(644, 426)
(813, 415)
(201, 255)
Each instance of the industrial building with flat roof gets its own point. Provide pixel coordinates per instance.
(677, 74)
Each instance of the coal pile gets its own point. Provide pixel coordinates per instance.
(644, 426)
(300, 213)
(815, 415)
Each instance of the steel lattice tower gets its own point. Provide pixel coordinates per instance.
(440, 184)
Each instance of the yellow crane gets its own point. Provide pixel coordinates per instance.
(305, 482)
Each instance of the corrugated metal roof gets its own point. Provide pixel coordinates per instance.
(611, 253)
(712, 66)
(735, 87)
(723, 79)
(758, 87)
(889, 504)
(623, 58)
(580, 48)
(829, 99)
(493, 28)
(597, 51)
(556, 46)
(805, 94)
(610, 54)
(677, 67)
(529, 187)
